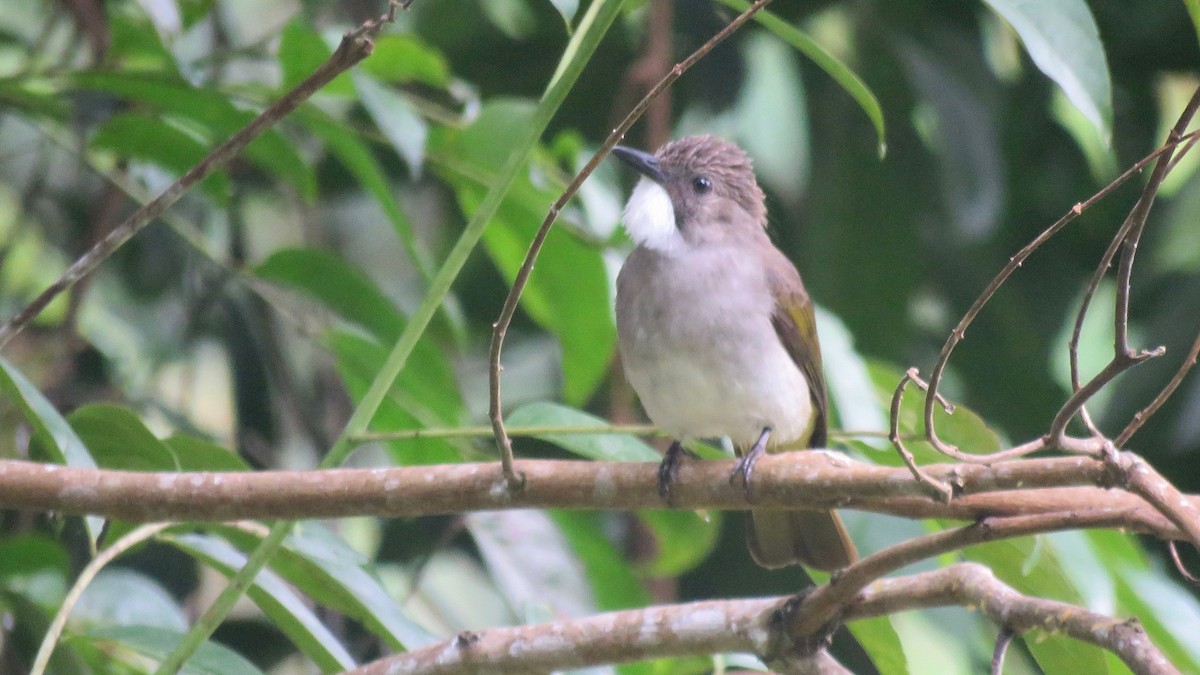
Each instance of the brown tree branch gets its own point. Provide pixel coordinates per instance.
(974, 586)
(763, 626)
(791, 480)
(500, 328)
(356, 45)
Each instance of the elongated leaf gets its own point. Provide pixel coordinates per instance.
(196, 454)
(338, 285)
(415, 402)
(35, 567)
(356, 156)
(839, 71)
(150, 139)
(52, 434)
(124, 597)
(532, 564)
(397, 119)
(404, 59)
(1034, 569)
(322, 566)
(685, 538)
(1193, 8)
(301, 51)
(119, 440)
(156, 643)
(213, 115)
(1062, 39)
(286, 610)
(604, 447)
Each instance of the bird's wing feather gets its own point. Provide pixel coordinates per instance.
(796, 324)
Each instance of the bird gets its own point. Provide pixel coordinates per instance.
(717, 334)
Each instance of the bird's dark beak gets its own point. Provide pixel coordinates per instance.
(643, 162)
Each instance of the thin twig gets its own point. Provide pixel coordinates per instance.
(1146, 413)
(1003, 639)
(86, 576)
(500, 327)
(355, 46)
(1173, 547)
(939, 490)
(521, 431)
(959, 331)
(1126, 241)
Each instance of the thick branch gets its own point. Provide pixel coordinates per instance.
(655, 632)
(973, 585)
(750, 626)
(792, 480)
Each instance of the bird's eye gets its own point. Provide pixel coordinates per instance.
(702, 185)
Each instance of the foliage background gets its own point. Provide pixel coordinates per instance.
(254, 316)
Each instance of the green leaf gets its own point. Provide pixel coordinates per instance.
(286, 610)
(338, 285)
(118, 439)
(53, 437)
(154, 140)
(302, 51)
(614, 585)
(51, 431)
(356, 156)
(567, 9)
(840, 72)
(212, 115)
(197, 454)
(1062, 39)
(603, 447)
(879, 639)
(156, 643)
(125, 597)
(424, 395)
(319, 564)
(1193, 8)
(532, 564)
(405, 59)
(35, 567)
(685, 538)
(1033, 568)
(397, 119)
(568, 290)
(963, 428)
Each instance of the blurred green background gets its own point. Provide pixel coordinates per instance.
(242, 329)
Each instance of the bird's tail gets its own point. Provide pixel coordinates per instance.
(815, 538)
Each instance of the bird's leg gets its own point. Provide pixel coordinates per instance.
(745, 463)
(668, 471)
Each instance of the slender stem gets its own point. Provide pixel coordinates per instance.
(959, 331)
(133, 538)
(522, 431)
(500, 328)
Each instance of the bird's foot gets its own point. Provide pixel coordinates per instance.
(668, 471)
(745, 463)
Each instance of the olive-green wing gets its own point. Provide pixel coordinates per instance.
(796, 324)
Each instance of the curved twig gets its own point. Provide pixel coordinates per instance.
(959, 331)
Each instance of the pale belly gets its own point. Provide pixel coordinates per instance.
(711, 371)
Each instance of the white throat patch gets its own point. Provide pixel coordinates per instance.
(650, 217)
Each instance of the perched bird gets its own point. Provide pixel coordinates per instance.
(717, 333)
